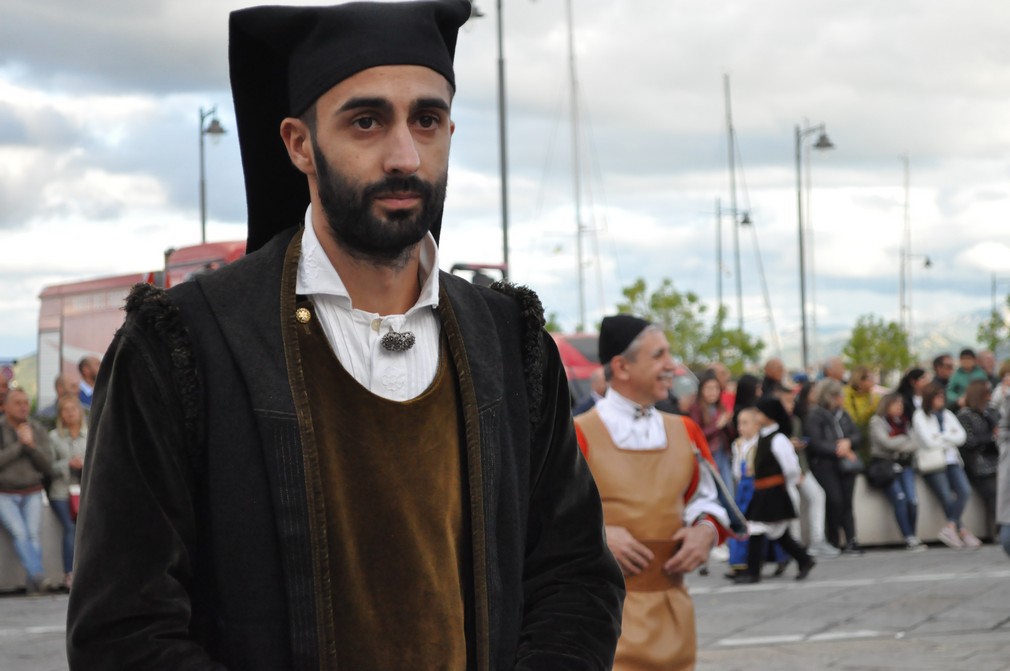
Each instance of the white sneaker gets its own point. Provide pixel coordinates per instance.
(970, 540)
(823, 549)
(913, 544)
(948, 536)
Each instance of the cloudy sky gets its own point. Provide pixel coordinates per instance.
(99, 105)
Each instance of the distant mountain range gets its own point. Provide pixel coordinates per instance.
(929, 339)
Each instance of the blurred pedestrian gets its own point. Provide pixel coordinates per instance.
(891, 451)
(861, 403)
(968, 370)
(67, 441)
(1003, 477)
(24, 465)
(88, 367)
(979, 452)
(773, 465)
(811, 503)
(938, 436)
(833, 437)
(1001, 390)
(910, 387)
(715, 421)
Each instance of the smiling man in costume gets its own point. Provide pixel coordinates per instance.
(329, 454)
(660, 502)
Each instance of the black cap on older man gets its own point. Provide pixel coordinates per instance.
(282, 59)
(617, 333)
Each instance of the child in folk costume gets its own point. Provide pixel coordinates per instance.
(773, 464)
(746, 441)
(743, 486)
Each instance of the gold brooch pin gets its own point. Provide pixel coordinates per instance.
(303, 315)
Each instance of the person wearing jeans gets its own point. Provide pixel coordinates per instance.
(890, 441)
(21, 516)
(24, 461)
(936, 428)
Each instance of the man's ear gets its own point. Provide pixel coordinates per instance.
(619, 368)
(298, 141)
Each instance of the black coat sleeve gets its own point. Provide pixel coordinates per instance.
(131, 603)
(820, 428)
(573, 587)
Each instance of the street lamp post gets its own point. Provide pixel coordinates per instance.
(476, 13)
(822, 143)
(216, 129)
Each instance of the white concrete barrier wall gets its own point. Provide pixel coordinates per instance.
(876, 525)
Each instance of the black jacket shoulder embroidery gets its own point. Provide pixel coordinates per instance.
(155, 313)
(531, 311)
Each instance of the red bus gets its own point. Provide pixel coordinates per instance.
(78, 319)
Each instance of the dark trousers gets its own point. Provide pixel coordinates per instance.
(838, 491)
(985, 486)
(756, 546)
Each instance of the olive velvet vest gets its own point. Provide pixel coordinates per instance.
(394, 513)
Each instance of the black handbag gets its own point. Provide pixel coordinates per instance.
(851, 466)
(981, 463)
(881, 472)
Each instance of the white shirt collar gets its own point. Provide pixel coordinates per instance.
(627, 427)
(316, 274)
(769, 430)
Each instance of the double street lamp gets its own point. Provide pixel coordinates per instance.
(822, 143)
(215, 129)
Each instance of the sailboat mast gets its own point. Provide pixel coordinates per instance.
(576, 169)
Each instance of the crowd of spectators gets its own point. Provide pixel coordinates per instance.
(944, 426)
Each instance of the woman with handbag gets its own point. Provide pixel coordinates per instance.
(67, 442)
(833, 461)
(979, 452)
(890, 469)
(938, 435)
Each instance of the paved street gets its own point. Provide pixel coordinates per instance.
(940, 609)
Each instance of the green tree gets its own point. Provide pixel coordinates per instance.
(734, 347)
(682, 316)
(995, 330)
(552, 325)
(879, 345)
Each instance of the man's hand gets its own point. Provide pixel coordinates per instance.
(76, 463)
(843, 448)
(629, 553)
(696, 543)
(25, 435)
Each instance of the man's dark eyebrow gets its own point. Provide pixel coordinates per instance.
(430, 103)
(366, 103)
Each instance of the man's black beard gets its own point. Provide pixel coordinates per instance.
(381, 241)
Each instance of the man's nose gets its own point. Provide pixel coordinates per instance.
(401, 155)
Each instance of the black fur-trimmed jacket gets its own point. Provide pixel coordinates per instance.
(199, 536)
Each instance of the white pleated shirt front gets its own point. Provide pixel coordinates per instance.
(355, 335)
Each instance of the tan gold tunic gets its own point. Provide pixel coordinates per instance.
(643, 491)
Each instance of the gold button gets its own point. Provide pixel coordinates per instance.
(376, 324)
(303, 315)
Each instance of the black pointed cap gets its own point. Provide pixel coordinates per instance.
(282, 59)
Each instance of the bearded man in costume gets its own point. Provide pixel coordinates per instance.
(329, 454)
(660, 501)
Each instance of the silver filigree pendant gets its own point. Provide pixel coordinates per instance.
(397, 342)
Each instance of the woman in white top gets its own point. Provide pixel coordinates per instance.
(937, 429)
(67, 442)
